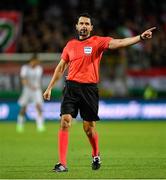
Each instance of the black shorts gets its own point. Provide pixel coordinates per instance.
(81, 97)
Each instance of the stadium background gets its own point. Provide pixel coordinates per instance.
(133, 80)
(127, 75)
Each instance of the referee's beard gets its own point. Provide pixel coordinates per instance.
(84, 33)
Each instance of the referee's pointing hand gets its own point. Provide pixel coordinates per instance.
(148, 33)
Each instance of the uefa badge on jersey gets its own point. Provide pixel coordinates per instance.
(87, 50)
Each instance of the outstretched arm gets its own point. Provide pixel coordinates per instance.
(119, 43)
(59, 71)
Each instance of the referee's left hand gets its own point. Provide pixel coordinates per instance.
(47, 94)
(148, 33)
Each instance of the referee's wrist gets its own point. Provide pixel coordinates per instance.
(141, 38)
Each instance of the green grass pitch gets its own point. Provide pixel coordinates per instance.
(128, 150)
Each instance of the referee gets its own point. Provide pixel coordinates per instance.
(82, 58)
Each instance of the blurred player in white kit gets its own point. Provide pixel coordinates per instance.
(31, 74)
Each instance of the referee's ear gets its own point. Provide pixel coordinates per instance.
(92, 27)
(76, 27)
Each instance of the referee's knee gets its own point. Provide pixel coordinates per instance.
(89, 131)
(66, 122)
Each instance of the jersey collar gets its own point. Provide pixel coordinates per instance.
(83, 39)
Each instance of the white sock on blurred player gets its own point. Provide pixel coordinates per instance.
(40, 122)
(20, 120)
(20, 123)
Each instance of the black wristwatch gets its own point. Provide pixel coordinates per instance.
(141, 38)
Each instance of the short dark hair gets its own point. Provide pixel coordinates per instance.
(34, 57)
(87, 15)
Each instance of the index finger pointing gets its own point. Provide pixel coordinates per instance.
(151, 29)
